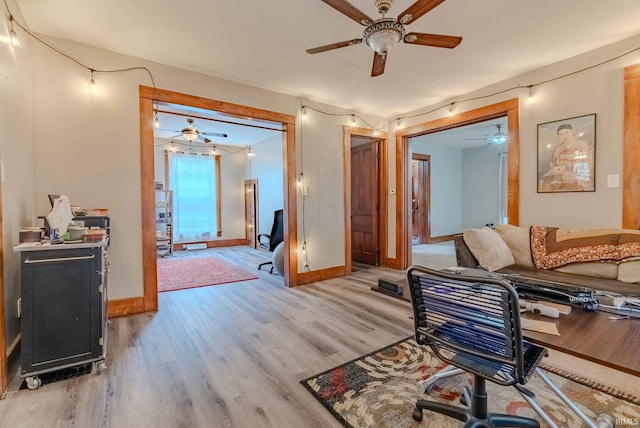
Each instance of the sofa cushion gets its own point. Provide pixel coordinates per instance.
(517, 238)
(629, 271)
(489, 248)
(595, 269)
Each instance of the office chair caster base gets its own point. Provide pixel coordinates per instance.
(417, 415)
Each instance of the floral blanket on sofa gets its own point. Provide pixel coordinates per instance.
(552, 247)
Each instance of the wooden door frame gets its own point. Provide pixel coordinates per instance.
(383, 186)
(631, 149)
(426, 158)
(147, 97)
(3, 357)
(510, 109)
(256, 219)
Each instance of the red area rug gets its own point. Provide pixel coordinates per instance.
(191, 272)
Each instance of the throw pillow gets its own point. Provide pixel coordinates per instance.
(488, 248)
(629, 271)
(517, 238)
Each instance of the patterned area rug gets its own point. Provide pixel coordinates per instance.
(191, 272)
(379, 390)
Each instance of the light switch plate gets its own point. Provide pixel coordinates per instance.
(613, 181)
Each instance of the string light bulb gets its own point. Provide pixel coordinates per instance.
(451, 109)
(213, 151)
(531, 96)
(92, 82)
(249, 154)
(353, 119)
(156, 121)
(173, 147)
(304, 111)
(399, 124)
(12, 33)
(300, 180)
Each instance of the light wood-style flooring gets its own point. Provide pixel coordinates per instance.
(228, 355)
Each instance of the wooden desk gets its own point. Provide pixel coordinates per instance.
(594, 337)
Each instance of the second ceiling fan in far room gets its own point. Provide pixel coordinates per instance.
(191, 133)
(383, 34)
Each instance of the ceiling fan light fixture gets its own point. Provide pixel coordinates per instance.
(383, 35)
(190, 134)
(498, 137)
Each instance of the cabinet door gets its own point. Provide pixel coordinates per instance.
(61, 307)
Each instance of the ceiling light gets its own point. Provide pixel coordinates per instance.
(190, 134)
(383, 35)
(498, 137)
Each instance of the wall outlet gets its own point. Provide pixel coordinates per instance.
(19, 308)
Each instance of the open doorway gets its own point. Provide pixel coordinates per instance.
(149, 99)
(450, 212)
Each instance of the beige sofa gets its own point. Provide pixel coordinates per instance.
(507, 249)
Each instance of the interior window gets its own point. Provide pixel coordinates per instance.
(193, 181)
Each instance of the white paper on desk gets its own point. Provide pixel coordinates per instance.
(60, 216)
(539, 326)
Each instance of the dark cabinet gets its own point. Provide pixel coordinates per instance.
(63, 304)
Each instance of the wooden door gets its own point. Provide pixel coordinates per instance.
(420, 209)
(364, 203)
(251, 212)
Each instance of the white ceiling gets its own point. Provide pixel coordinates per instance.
(465, 137)
(262, 43)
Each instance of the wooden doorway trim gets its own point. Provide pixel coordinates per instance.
(425, 186)
(3, 357)
(383, 183)
(510, 109)
(631, 149)
(147, 97)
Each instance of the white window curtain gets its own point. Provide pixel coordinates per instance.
(193, 181)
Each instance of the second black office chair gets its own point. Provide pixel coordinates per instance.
(274, 238)
(473, 323)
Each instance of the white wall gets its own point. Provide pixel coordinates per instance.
(16, 153)
(445, 202)
(599, 90)
(266, 166)
(481, 186)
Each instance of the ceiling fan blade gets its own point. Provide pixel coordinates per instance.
(378, 64)
(416, 10)
(436, 40)
(334, 46)
(346, 8)
(214, 134)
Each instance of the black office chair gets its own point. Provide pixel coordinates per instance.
(473, 323)
(274, 238)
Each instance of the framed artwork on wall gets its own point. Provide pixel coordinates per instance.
(566, 155)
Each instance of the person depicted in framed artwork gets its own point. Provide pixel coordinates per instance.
(571, 165)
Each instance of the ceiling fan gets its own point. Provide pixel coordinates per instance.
(498, 137)
(191, 133)
(383, 34)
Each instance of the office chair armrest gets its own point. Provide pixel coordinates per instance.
(262, 244)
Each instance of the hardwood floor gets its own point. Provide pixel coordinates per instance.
(229, 355)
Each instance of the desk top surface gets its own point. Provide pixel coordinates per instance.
(594, 337)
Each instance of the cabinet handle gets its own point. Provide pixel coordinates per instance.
(59, 259)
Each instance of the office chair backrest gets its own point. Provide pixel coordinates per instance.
(277, 230)
(472, 323)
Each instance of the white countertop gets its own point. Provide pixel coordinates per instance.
(42, 246)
